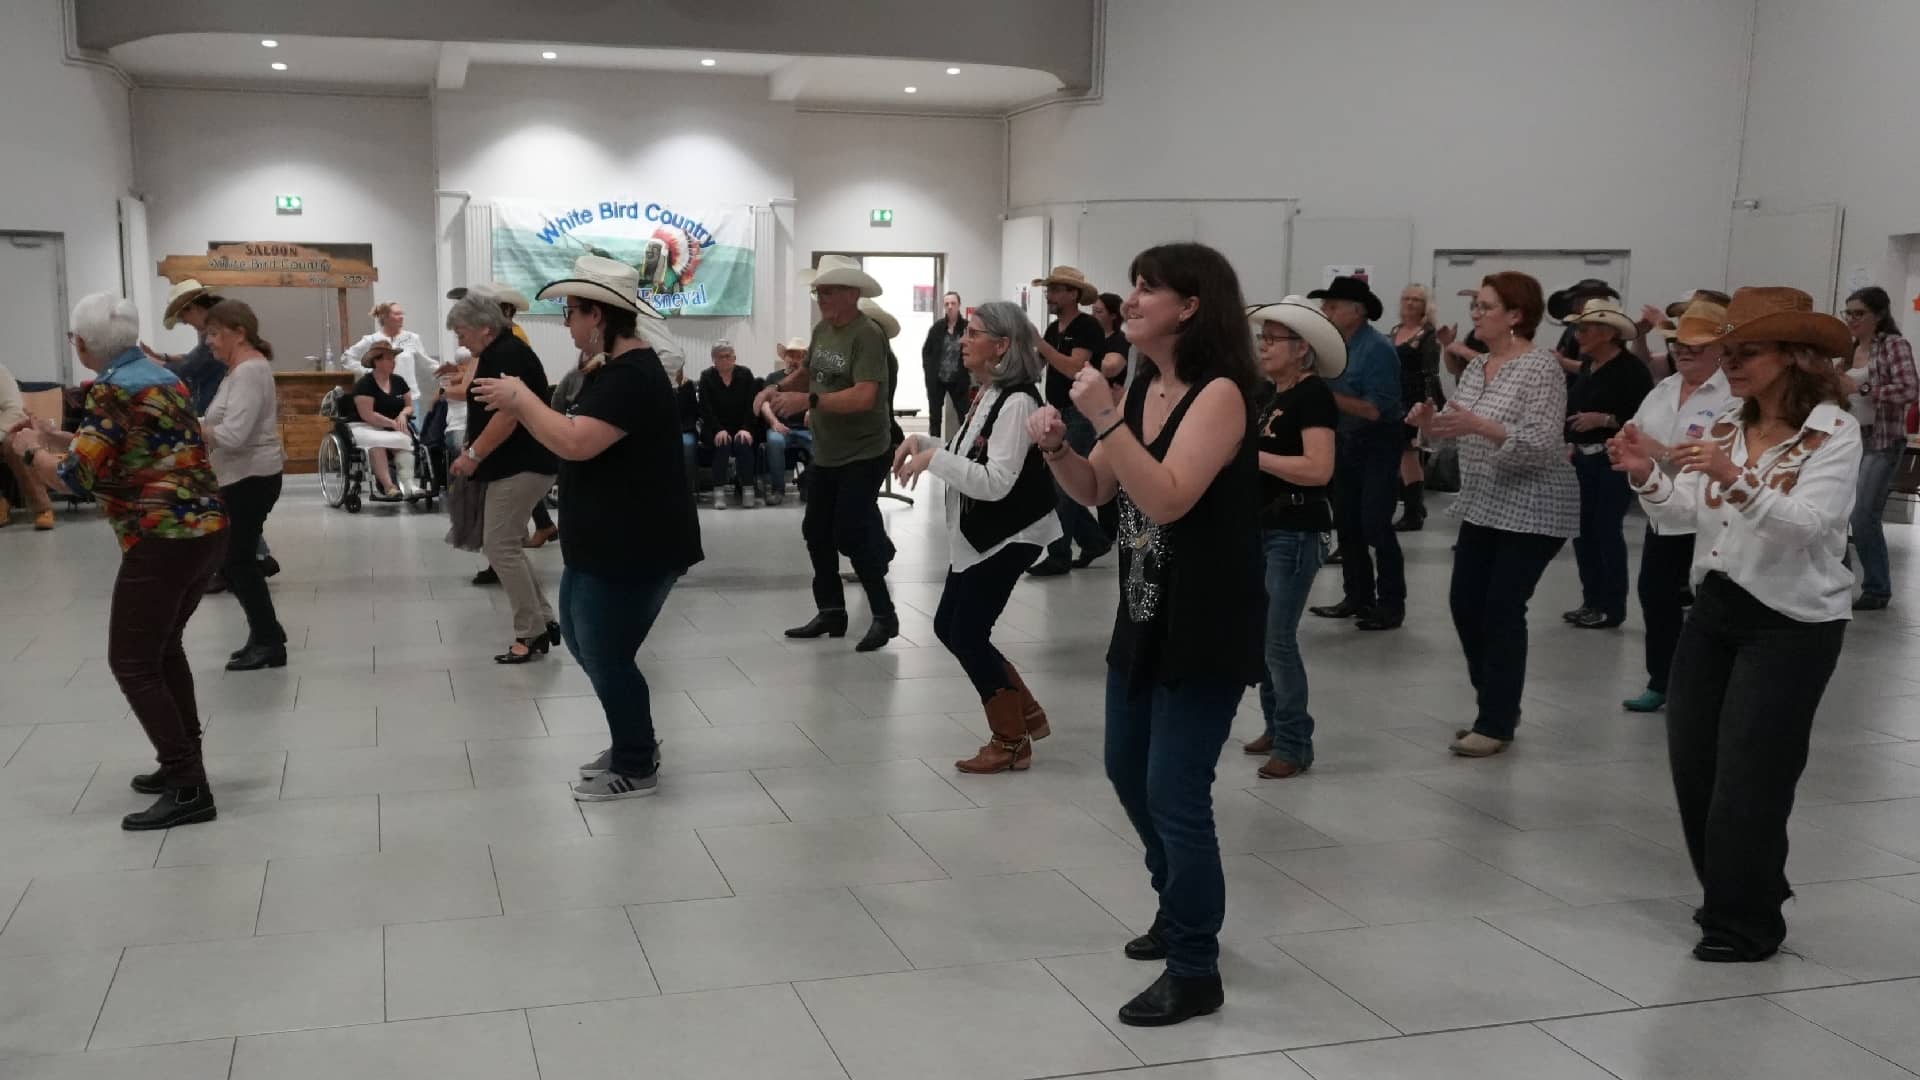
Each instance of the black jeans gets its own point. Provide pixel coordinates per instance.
(1366, 488)
(155, 595)
(939, 393)
(970, 605)
(1601, 549)
(843, 518)
(249, 502)
(1080, 526)
(541, 518)
(1494, 574)
(741, 453)
(1666, 563)
(1746, 682)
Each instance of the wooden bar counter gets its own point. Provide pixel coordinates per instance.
(301, 425)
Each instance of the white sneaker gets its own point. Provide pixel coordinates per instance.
(746, 499)
(719, 498)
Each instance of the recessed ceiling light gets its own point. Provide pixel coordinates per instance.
(953, 71)
(269, 43)
(549, 55)
(913, 89)
(708, 61)
(278, 66)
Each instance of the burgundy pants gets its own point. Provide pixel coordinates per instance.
(159, 586)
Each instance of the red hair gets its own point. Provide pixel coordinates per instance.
(1519, 292)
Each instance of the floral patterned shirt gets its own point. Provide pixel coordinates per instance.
(139, 451)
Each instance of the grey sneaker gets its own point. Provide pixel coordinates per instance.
(610, 786)
(720, 498)
(603, 764)
(746, 499)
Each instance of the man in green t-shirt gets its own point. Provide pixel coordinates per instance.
(844, 389)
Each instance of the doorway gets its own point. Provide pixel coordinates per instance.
(1454, 271)
(910, 286)
(33, 301)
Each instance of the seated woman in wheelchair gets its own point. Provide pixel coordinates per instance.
(384, 404)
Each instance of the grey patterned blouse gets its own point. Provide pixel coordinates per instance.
(1525, 484)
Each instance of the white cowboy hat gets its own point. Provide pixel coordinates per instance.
(505, 294)
(1303, 317)
(184, 293)
(841, 270)
(1605, 311)
(795, 344)
(608, 281)
(889, 325)
(1067, 275)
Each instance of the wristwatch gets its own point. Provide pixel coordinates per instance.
(470, 455)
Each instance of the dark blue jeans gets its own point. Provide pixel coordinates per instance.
(741, 453)
(1081, 526)
(1293, 557)
(1870, 501)
(1494, 575)
(1163, 742)
(1366, 488)
(604, 623)
(1601, 548)
(777, 449)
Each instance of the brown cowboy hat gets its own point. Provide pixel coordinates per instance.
(1067, 275)
(1699, 324)
(1778, 313)
(1711, 296)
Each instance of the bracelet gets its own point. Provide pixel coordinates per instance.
(1054, 453)
(1117, 425)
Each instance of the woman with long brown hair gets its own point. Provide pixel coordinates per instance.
(1769, 490)
(242, 430)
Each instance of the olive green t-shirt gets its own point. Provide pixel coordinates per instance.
(838, 358)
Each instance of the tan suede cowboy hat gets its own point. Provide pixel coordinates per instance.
(1303, 317)
(1698, 325)
(184, 293)
(1778, 313)
(1067, 275)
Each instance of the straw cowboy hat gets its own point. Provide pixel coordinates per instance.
(1777, 313)
(184, 293)
(795, 344)
(1602, 311)
(1067, 275)
(608, 281)
(1353, 289)
(889, 325)
(1698, 325)
(1302, 317)
(841, 270)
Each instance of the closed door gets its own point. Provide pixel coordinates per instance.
(1454, 271)
(33, 306)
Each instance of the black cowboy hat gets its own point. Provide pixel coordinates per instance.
(1570, 300)
(1354, 289)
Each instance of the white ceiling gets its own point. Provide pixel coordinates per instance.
(410, 66)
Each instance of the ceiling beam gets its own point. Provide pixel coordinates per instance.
(451, 71)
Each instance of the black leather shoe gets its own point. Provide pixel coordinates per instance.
(486, 577)
(1339, 556)
(535, 649)
(1088, 556)
(884, 629)
(1147, 946)
(1173, 999)
(255, 657)
(1381, 617)
(1410, 523)
(181, 806)
(553, 634)
(216, 585)
(269, 566)
(1576, 614)
(1599, 620)
(1713, 950)
(1871, 602)
(148, 783)
(823, 624)
(1050, 567)
(1345, 609)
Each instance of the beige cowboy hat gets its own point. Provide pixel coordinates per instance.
(841, 270)
(1777, 313)
(1605, 311)
(505, 294)
(184, 293)
(1303, 317)
(1067, 275)
(1699, 324)
(608, 281)
(793, 344)
(889, 325)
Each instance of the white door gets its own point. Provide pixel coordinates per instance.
(910, 287)
(1799, 247)
(33, 305)
(1454, 271)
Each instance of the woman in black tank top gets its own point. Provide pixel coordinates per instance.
(1187, 635)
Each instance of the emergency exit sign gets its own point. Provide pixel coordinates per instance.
(882, 219)
(287, 204)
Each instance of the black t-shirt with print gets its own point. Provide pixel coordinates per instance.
(1083, 332)
(629, 512)
(1281, 419)
(1116, 343)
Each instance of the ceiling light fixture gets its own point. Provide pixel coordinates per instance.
(913, 89)
(269, 43)
(278, 66)
(953, 71)
(708, 61)
(549, 55)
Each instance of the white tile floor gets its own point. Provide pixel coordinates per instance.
(399, 883)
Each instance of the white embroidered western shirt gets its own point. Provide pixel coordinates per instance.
(1668, 421)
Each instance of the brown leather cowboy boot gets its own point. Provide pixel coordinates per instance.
(1010, 748)
(1030, 710)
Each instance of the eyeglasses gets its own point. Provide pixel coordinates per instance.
(1275, 339)
(1858, 313)
(567, 315)
(976, 332)
(1479, 308)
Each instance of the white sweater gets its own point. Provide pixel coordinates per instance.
(244, 424)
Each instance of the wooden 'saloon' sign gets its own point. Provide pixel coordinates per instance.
(272, 265)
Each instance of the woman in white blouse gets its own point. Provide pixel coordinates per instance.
(242, 430)
(1683, 406)
(1519, 501)
(390, 322)
(1768, 491)
(999, 514)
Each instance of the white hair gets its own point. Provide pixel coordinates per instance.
(723, 345)
(476, 311)
(110, 325)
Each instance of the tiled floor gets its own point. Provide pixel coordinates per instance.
(400, 885)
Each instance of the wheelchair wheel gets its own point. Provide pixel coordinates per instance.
(332, 466)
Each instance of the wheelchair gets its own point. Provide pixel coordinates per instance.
(344, 467)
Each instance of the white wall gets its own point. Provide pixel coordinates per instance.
(210, 163)
(68, 156)
(1832, 121)
(1507, 124)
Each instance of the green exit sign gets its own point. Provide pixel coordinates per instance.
(288, 204)
(882, 219)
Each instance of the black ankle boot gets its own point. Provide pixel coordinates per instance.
(1173, 999)
(151, 783)
(181, 806)
(884, 629)
(1414, 517)
(824, 624)
(1148, 946)
(255, 657)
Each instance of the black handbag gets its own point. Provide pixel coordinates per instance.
(987, 524)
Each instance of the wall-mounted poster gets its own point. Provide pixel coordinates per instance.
(693, 259)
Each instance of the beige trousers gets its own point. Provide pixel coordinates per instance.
(510, 502)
